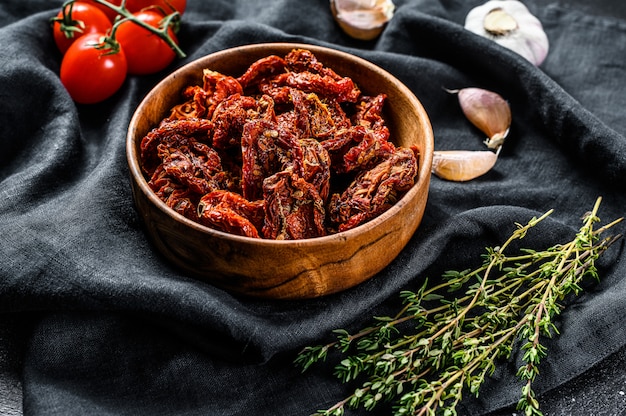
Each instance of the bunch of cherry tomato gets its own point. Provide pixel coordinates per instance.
(104, 40)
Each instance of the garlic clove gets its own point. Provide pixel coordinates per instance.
(510, 24)
(488, 111)
(362, 19)
(462, 165)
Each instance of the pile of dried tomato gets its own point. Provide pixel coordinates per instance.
(288, 150)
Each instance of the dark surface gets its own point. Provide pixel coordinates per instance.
(73, 338)
(601, 391)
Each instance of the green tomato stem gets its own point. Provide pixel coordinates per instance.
(161, 31)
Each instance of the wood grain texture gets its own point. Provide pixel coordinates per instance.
(284, 269)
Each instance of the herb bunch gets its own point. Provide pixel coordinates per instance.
(440, 345)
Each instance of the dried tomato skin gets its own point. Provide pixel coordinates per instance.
(194, 105)
(181, 202)
(227, 220)
(370, 111)
(315, 166)
(217, 88)
(220, 86)
(191, 163)
(230, 212)
(188, 168)
(367, 153)
(261, 69)
(369, 114)
(228, 120)
(374, 191)
(252, 210)
(343, 90)
(201, 102)
(313, 117)
(259, 156)
(344, 139)
(198, 128)
(338, 115)
(293, 208)
(280, 95)
(174, 195)
(225, 87)
(303, 60)
(359, 146)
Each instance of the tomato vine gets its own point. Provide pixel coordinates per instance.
(142, 33)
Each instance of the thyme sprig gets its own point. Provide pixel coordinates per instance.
(437, 347)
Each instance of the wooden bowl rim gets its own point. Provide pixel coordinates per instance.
(425, 161)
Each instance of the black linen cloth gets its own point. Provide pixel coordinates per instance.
(110, 328)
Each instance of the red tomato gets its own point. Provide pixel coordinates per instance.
(165, 6)
(145, 51)
(92, 75)
(88, 18)
(111, 14)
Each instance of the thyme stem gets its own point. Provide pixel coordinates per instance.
(454, 343)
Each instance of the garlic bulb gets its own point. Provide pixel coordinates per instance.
(362, 19)
(510, 24)
(488, 111)
(462, 165)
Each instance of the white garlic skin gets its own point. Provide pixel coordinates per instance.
(529, 39)
(362, 19)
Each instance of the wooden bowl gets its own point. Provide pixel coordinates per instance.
(293, 269)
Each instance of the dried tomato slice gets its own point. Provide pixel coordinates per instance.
(252, 210)
(315, 166)
(263, 68)
(293, 208)
(303, 60)
(313, 117)
(224, 218)
(175, 196)
(367, 153)
(191, 163)
(194, 106)
(198, 128)
(230, 212)
(259, 156)
(229, 117)
(370, 111)
(374, 191)
(220, 86)
(342, 90)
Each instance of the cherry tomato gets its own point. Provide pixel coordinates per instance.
(83, 16)
(164, 6)
(89, 74)
(111, 14)
(145, 51)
